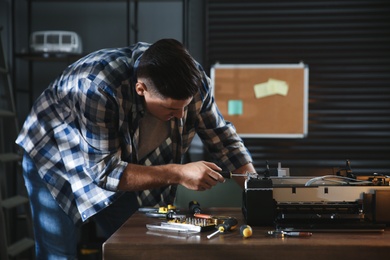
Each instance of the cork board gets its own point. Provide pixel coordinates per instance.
(268, 101)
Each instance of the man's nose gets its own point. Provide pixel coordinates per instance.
(179, 113)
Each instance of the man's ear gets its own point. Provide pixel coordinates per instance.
(140, 88)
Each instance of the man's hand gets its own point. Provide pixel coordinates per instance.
(200, 175)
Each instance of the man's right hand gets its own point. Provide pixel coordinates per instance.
(199, 176)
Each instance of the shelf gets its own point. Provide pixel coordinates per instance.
(6, 113)
(49, 56)
(9, 157)
(103, 1)
(76, 1)
(20, 246)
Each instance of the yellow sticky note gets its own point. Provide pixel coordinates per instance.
(279, 86)
(271, 87)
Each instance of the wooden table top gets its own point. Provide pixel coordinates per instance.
(134, 241)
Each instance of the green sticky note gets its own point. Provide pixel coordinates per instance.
(235, 107)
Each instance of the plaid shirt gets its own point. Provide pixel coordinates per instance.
(82, 131)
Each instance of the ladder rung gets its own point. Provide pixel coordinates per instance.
(6, 113)
(13, 202)
(20, 246)
(9, 157)
(13, 248)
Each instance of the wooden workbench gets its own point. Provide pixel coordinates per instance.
(134, 241)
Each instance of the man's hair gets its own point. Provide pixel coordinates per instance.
(171, 69)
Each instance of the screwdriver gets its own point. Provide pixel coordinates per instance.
(194, 207)
(227, 225)
(246, 231)
(230, 175)
(280, 233)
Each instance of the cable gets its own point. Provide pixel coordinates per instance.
(329, 177)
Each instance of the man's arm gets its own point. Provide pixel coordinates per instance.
(195, 176)
(247, 168)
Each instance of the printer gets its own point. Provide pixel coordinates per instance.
(331, 202)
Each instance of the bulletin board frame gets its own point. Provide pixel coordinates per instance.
(272, 116)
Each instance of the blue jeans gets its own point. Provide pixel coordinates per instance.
(56, 235)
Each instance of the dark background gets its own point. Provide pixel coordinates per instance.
(344, 43)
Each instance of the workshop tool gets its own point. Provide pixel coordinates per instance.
(162, 209)
(187, 225)
(246, 231)
(216, 219)
(228, 224)
(183, 224)
(163, 226)
(168, 212)
(229, 175)
(194, 207)
(266, 173)
(281, 233)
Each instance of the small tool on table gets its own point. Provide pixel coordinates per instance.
(246, 231)
(194, 207)
(169, 212)
(228, 224)
(281, 233)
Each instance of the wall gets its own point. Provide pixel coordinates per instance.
(345, 45)
(5, 17)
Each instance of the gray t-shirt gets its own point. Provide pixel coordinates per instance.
(152, 132)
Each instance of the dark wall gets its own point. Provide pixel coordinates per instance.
(346, 47)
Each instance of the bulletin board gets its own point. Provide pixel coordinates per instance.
(264, 100)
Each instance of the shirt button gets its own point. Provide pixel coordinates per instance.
(106, 203)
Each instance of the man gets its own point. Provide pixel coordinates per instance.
(109, 134)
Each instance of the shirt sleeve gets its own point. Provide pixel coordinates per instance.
(99, 134)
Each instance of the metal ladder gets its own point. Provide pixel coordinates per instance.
(14, 204)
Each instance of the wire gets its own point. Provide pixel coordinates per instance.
(341, 180)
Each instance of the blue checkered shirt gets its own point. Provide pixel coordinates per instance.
(81, 131)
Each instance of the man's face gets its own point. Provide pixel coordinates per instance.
(163, 109)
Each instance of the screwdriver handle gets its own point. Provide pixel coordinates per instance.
(226, 174)
(228, 225)
(229, 175)
(194, 207)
